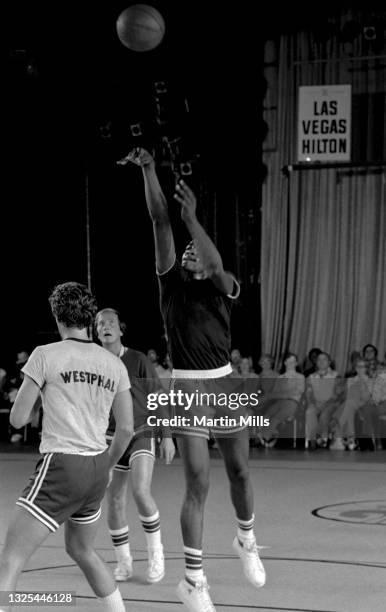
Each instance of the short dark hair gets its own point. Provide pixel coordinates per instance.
(370, 346)
(122, 324)
(314, 350)
(326, 355)
(73, 304)
(286, 356)
(267, 356)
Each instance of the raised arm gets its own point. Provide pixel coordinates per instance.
(158, 210)
(206, 250)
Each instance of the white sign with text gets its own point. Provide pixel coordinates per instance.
(324, 123)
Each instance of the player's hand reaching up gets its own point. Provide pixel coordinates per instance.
(185, 196)
(141, 157)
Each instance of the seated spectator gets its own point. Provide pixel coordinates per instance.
(358, 397)
(152, 355)
(378, 404)
(283, 401)
(323, 397)
(5, 407)
(312, 357)
(244, 370)
(166, 374)
(354, 357)
(371, 411)
(3, 380)
(14, 383)
(250, 360)
(162, 373)
(250, 385)
(370, 354)
(235, 360)
(267, 374)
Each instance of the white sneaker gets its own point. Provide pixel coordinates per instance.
(252, 565)
(337, 444)
(156, 567)
(352, 444)
(124, 570)
(196, 598)
(322, 442)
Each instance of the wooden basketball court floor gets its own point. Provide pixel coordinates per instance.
(321, 517)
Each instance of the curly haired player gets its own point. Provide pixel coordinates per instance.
(79, 383)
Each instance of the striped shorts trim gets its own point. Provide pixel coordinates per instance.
(86, 520)
(143, 453)
(207, 432)
(191, 431)
(40, 478)
(65, 487)
(38, 513)
(141, 446)
(203, 374)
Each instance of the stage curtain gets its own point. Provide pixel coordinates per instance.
(323, 243)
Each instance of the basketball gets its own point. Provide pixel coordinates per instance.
(140, 27)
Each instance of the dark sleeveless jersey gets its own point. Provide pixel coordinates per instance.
(144, 380)
(197, 320)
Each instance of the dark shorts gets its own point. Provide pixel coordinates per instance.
(217, 413)
(66, 487)
(140, 446)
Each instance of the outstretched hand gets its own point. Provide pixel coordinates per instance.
(140, 157)
(185, 196)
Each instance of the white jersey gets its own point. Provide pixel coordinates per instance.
(78, 381)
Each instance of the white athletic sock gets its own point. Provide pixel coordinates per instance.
(245, 531)
(120, 538)
(113, 602)
(152, 527)
(193, 564)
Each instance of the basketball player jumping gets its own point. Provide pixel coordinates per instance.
(138, 457)
(196, 300)
(79, 383)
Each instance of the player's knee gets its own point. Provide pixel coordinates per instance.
(239, 473)
(77, 550)
(197, 486)
(141, 492)
(117, 501)
(12, 562)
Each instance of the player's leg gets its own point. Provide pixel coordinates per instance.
(195, 458)
(235, 451)
(194, 452)
(116, 496)
(311, 424)
(25, 534)
(80, 541)
(325, 419)
(285, 409)
(268, 432)
(141, 468)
